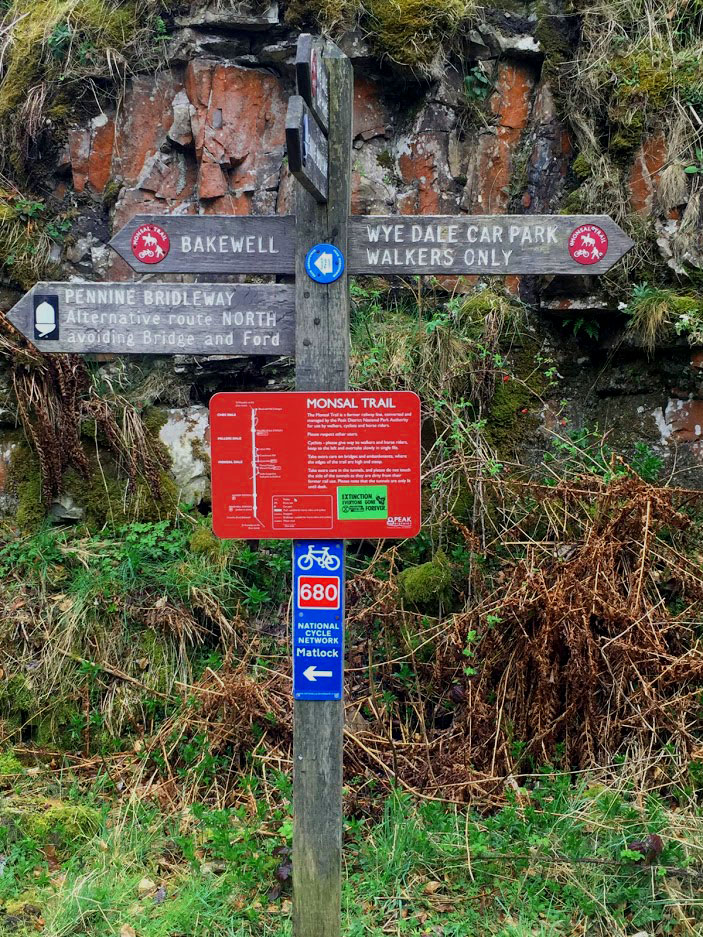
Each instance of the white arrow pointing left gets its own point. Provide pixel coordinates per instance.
(313, 674)
(325, 262)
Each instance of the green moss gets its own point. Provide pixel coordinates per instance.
(58, 824)
(326, 15)
(204, 542)
(25, 482)
(554, 40)
(24, 244)
(154, 419)
(386, 160)
(414, 32)
(111, 193)
(581, 166)
(51, 36)
(426, 584)
(511, 418)
(200, 452)
(105, 498)
(574, 203)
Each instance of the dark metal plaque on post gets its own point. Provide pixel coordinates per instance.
(485, 244)
(159, 318)
(307, 149)
(312, 77)
(208, 243)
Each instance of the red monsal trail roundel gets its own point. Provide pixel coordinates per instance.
(150, 243)
(588, 244)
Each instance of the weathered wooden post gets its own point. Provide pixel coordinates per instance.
(322, 363)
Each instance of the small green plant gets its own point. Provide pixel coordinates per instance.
(646, 463)
(697, 167)
(588, 326)
(477, 85)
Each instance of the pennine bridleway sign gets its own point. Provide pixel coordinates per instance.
(159, 318)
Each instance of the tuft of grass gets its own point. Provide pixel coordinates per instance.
(416, 32)
(60, 52)
(657, 312)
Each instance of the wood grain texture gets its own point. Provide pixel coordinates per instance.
(216, 244)
(476, 244)
(312, 77)
(308, 154)
(160, 318)
(322, 347)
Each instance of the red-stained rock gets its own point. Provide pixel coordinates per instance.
(511, 99)
(212, 182)
(79, 149)
(419, 166)
(229, 204)
(370, 115)
(101, 146)
(146, 118)
(684, 420)
(488, 185)
(645, 173)
(238, 123)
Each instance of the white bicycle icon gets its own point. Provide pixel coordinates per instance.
(323, 556)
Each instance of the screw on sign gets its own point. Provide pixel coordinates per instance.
(588, 244)
(150, 243)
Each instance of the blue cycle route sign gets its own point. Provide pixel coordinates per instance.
(318, 619)
(324, 263)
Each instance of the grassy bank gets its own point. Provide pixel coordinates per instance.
(558, 859)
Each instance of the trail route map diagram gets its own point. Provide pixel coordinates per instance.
(315, 464)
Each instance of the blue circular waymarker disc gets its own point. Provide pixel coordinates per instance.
(324, 263)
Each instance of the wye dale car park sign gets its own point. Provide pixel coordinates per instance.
(321, 465)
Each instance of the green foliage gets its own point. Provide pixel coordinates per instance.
(696, 169)
(409, 32)
(135, 599)
(584, 451)
(477, 85)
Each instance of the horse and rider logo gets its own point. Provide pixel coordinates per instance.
(588, 244)
(150, 243)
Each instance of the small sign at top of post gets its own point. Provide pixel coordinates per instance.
(307, 149)
(312, 77)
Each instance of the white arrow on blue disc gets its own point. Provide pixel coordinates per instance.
(324, 263)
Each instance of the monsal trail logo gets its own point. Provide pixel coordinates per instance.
(588, 244)
(150, 243)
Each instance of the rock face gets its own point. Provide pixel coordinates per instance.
(206, 134)
(186, 435)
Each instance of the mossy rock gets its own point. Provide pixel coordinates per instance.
(51, 823)
(425, 585)
(204, 542)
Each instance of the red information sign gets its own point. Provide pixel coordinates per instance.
(315, 465)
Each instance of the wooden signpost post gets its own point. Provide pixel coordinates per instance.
(321, 245)
(322, 363)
